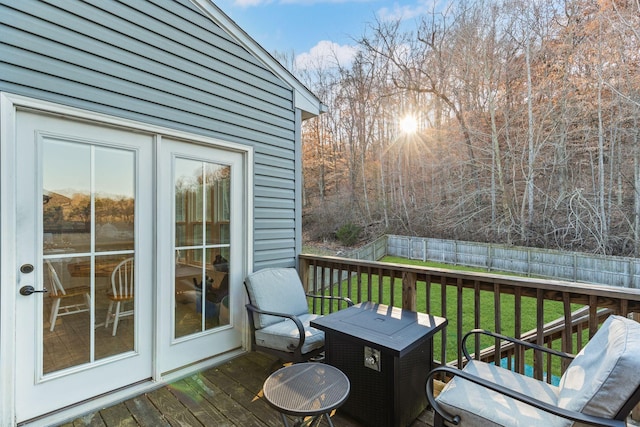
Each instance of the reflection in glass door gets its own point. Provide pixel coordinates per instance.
(88, 207)
(84, 206)
(202, 246)
(201, 218)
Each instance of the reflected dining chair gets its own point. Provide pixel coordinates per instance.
(600, 386)
(122, 291)
(70, 295)
(279, 315)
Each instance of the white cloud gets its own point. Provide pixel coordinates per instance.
(409, 11)
(250, 3)
(399, 13)
(325, 54)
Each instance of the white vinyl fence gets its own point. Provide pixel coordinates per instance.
(534, 262)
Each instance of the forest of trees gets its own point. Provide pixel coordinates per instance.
(528, 128)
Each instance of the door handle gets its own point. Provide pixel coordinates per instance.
(28, 290)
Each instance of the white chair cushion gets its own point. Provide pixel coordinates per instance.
(606, 372)
(276, 289)
(284, 335)
(478, 406)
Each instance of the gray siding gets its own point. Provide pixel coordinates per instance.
(161, 62)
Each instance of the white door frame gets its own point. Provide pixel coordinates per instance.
(9, 104)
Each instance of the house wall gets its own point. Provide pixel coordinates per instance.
(163, 63)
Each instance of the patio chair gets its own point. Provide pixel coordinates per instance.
(73, 304)
(600, 386)
(122, 292)
(279, 315)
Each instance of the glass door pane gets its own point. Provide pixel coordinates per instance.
(202, 245)
(88, 207)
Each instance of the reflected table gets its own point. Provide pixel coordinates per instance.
(306, 390)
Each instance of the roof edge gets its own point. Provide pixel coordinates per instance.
(304, 99)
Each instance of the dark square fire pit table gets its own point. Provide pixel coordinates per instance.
(386, 353)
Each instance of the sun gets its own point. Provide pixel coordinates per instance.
(408, 124)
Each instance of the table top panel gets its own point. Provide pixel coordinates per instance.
(306, 389)
(382, 326)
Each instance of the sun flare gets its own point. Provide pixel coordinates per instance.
(408, 124)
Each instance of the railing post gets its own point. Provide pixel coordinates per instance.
(409, 291)
(304, 274)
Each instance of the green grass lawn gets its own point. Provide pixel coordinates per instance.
(552, 310)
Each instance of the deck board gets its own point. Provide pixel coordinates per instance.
(200, 398)
(171, 408)
(229, 395)
(145, 413)
(92, 420)
(117, 415)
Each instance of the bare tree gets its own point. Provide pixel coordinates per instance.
(528, 126)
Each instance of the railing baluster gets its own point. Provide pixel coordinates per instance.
(517, 328)
(476, 320)
(314, 284)
(381, 287)
(349, 282)
(593, 315)
(443, 297)
(497, 304)
(443, 313)
(460, 332)
(341, 277)
(537, 356)
(331, 281)
(579, 337)
(392, 284)
(428, 291)
(567, 341)
(549, 368)
(323, 285)
(359, 299)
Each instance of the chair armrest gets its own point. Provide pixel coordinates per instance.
(331, 297)
(301, 333)
(516, 341)
(544, 406)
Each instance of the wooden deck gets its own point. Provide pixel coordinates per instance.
(228, 395)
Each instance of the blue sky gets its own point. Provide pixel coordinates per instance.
(311, 28)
